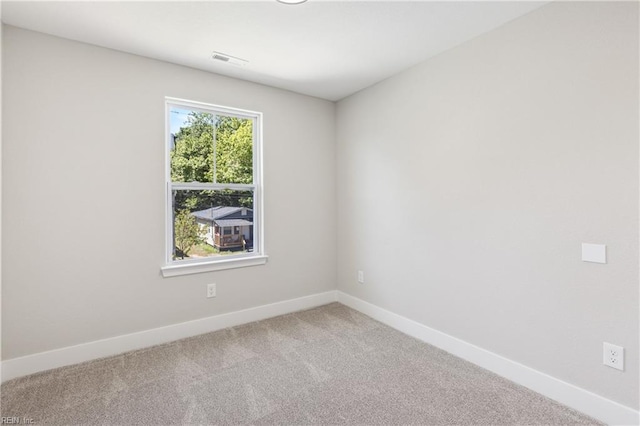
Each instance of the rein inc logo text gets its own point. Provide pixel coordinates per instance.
(16, 421)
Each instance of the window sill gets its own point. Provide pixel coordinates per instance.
(218, 265)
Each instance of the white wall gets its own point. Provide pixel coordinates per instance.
(83, 211)
(467, 184)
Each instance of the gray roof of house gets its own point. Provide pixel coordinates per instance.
(233, 222)
(217, 212)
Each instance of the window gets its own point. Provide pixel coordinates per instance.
(213, 188)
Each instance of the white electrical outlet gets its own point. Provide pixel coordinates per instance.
(211, 290)
(361, 277)
(613, 356)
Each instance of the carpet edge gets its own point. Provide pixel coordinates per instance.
(580, 399)
(48, 360)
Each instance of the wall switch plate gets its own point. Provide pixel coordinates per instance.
(594, 253)
(211, 290)
(361, 277)
(613, 356)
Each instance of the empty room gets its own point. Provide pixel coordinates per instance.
(296, 212)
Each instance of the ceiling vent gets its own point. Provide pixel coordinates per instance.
(223, 57)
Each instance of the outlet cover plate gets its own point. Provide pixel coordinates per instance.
(613, 356)
(596, 253)
(211, 290)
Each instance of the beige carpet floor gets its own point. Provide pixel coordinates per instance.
(328, 365)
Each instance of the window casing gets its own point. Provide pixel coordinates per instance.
(213, 184)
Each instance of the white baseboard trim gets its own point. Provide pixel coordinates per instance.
(580, 399)
(22, 366)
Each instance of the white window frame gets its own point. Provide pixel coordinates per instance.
(192, 266)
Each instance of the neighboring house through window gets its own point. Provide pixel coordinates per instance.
(214, 192)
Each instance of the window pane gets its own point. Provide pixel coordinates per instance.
(191, 145)
(204, 223)
(234, 150)
(198, 156)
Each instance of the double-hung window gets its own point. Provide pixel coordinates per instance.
(213, 188)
